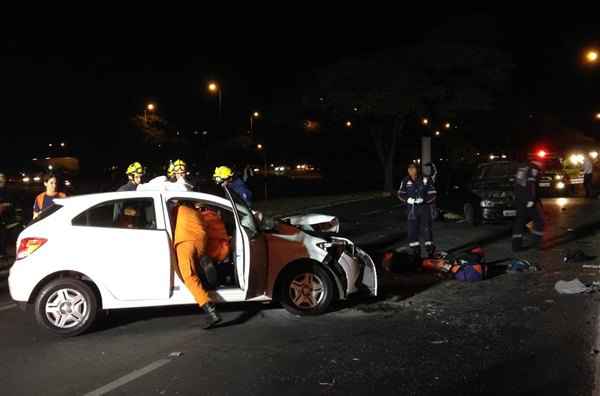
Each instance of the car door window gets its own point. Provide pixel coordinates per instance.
(135, 213)
(245, 214)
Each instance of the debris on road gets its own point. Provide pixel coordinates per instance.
(591, 266)
(520, 265)
(175, 354)
(332, 383)
(571, 287)
(452, 216)
(439, 342)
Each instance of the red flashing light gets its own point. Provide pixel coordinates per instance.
(541, 154)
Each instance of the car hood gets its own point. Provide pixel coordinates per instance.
(314, 222)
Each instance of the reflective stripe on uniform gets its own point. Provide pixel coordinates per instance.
(432, 192)
(428, 243)
(538, 233)
(413, 244)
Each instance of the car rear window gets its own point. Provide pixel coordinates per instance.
(502, 170)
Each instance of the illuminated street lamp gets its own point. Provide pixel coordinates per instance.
(215, 88)
(150, 107)
(253, 116)
(591, 56)
(260, 147)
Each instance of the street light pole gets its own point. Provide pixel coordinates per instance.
(220, 99)
(254, 115)
(260, 147)
(149, 108)
(213, 87)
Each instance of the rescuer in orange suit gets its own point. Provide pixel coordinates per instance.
(218, 241)
(190, 245)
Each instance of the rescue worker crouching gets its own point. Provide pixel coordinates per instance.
(134, 173)
(419, 193)
(190, 244)
(528, 205)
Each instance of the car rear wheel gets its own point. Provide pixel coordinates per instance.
(67, 307)
(470, 214)
(307, 289)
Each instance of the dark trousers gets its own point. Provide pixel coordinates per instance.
(524, 214)
(3, 233)
(587, 183)
(3, 239)
(419, 225)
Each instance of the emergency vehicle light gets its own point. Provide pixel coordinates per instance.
(541, 154)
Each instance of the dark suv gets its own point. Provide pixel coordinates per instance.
(487, 197)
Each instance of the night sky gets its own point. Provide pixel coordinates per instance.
(79, 94)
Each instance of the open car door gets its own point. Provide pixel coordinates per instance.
(255, 248)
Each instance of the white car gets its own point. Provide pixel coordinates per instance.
(79, 257)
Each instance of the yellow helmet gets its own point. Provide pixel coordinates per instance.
(222, 173)
(176, 167)
(135, 169)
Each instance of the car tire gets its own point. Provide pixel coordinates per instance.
(66, 306)
(470, 213)
(306, 289)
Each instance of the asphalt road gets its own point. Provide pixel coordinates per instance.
(511, 334)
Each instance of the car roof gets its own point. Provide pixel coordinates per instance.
(92, 199)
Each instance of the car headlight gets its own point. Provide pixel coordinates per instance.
(558, 177)
(560, 185)
(486, 203)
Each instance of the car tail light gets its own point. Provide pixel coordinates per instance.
(29, 245)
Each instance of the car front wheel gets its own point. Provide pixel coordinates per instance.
(67, 307)
(306, 290)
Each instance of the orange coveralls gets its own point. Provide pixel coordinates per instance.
(217, 244)
(190, 245)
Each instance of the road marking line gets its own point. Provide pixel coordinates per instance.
(7, 307)
(128, 378)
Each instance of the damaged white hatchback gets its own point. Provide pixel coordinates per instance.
(114, 250)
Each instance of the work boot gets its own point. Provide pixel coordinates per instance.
(213, 317)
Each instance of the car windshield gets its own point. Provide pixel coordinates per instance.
(246, 216)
